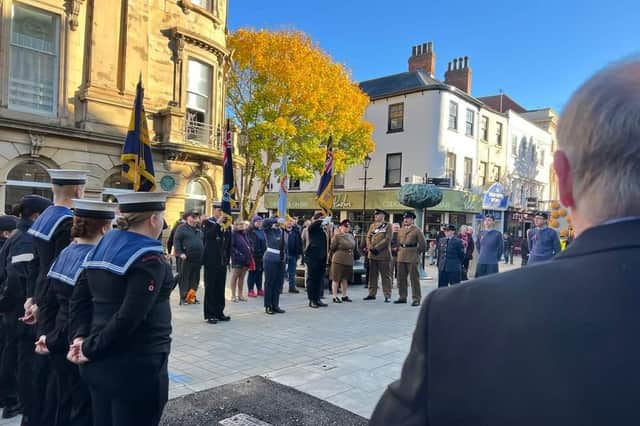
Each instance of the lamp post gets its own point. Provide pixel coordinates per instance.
(367, 163)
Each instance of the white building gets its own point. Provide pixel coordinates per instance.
(424, 126)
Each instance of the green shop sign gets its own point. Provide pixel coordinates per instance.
(452, 201)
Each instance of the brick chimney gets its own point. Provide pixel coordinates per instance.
(459, 74)
(423, 58)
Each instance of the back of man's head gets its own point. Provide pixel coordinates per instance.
(599, 133)
(63, 194)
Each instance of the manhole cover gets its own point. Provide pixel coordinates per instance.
(243, 420)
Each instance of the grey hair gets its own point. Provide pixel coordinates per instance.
(599, 131)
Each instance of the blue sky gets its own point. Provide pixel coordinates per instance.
(537, 51)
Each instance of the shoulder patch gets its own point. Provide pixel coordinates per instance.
(150, 257)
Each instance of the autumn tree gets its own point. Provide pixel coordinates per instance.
(287, 95)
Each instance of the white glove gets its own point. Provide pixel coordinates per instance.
(281, 221)
(326, 220)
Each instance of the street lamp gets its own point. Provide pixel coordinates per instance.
(367, 163)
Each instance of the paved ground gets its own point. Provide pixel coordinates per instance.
(345, 354)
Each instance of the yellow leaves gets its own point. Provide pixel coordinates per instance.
(288, 94)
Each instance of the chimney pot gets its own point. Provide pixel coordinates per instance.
(466, 62)
(460, 62)
(413, 51)
(424, 48)
(455, 64)
(430, 47)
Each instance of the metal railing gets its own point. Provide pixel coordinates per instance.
(202, 134)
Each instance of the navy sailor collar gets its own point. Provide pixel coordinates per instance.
(118, 250)
(45, 226)
(68, 265)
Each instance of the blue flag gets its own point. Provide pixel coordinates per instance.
(325, 189)
(284, 187)
(228, 185)
(137, 162)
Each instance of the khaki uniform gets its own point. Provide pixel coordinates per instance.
(342, 247)
(379, 238)
(411, 243)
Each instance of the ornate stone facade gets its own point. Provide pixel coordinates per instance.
(69, 70)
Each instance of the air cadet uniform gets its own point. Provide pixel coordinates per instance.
(451, 255)
(273, 263)
(378, 244)
(18, 364)
(544, 242)
(120, 308)
(411, 243)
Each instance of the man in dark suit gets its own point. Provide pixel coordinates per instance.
(554, 343)
(450, 257)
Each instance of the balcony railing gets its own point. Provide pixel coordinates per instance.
(202, 134)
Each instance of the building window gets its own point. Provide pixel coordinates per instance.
(499, 134)
(396, 118)
(541, 157)
(468, 172)
(338, 180)
(496, 173)
(453, 115)
(514, 146)
(470, 122)
(483, 173)
(450, 168)
(198, 114)
(195, 197)
(294, 184)
(24, 179)
(393, 173)
(34, 61)
(484, 128)
(205, 4)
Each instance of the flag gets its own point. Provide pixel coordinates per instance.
(284, 188)
(228, 185)
(137, 162)
(325, 189)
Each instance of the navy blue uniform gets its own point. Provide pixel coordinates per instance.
(315, 257)
(217, 244)
(451, 255)
(121, 307)
(273, 262)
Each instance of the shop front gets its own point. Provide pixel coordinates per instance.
(456, 207)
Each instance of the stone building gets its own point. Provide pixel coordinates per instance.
(68, 75)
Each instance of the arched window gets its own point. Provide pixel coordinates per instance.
(116, 181)
(26, 178)
(195, 197)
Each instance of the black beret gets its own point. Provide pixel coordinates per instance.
(34, 204)
(410, 215)
(379, 211)
(489, 216)
(8, 223)
(543, 215)
(345, 222)
(451, 228)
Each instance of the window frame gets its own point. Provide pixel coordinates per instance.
(469, 125)
(337, 184)
(484, 170)
(451, 172)
(484, 128)
(59, 87)
(294, 184)
(499, 133)
(213, 119)
(468, 173)
(389, 118)
(453, 105)
(387, 184)
(496, 176)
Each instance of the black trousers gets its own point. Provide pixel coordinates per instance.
(215, 279)
(74, 407)
(465, 269)
(128, 390)
(274, 276)
(254, 279)
(189, 276)
(446, 277)
(8, 367)
(315, 278)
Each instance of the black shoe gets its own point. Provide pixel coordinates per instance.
(223, 318)
(12, 411)
(321, 304)
(346, 299)
(269, 311)
(415, 303)
(212, 320)
(196, 302)
(400, 301)
(321, 297)
(294, 290)
(313, 305)
(369, 298)
(336, 300)
(278, 310)
(387, 300)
